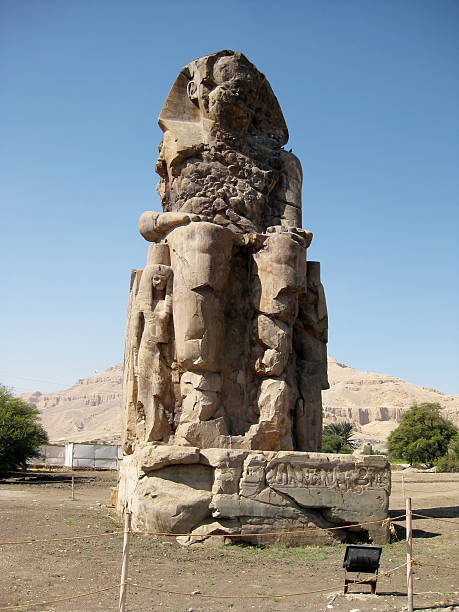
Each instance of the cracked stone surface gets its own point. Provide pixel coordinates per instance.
(254, 492)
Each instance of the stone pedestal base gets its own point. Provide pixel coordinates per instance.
(187, 490)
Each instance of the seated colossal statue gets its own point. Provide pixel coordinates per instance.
(227, 324)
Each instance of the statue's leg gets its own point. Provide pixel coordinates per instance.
(200, 259)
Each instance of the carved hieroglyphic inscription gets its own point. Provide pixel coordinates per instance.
(338, 477)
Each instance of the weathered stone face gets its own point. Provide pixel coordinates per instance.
(226, 333)
(221, 155)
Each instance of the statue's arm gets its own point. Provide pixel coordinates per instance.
(154, 225)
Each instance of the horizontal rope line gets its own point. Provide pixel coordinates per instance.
(85, 537)
(434, 565)
(220, 535)
(133, 584)
(53, 601)
(266, 533)
(274, 596)
(433, 518)
(140, 586)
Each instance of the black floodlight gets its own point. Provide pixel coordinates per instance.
(365, 559)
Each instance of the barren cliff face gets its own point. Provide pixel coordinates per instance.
(91, 409)
(367, 397)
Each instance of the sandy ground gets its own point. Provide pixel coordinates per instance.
(38, 505)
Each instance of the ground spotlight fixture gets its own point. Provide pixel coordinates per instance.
(361, 559)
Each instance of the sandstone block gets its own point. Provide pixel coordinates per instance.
(153, 457)
(173, 499)
(222, 458)
(258, 492)
(204, 434)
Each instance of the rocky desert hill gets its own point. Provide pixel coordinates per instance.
(91, 408)
(375, 402)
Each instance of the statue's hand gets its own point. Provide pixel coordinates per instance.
(154, 225)
(298, 233)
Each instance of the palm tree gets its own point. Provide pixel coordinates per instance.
(344, 430)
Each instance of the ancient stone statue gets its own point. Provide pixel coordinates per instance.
(226, 335)
(227, 324)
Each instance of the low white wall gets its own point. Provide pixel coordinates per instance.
(90, 456)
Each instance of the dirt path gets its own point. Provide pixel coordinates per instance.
(40, 507)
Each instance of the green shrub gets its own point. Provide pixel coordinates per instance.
(447, 463)
(21, 433)
(450, 461)
(423, 435)
(331, 443)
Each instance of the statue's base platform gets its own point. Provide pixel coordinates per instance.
(245, 494)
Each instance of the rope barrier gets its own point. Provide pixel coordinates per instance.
(192, 594)
(195, 594)
(85, 537)
(433, 518)
(124, 582)
(53, 601)
(388, 574)
(437, 593)
(273, 596)
(417, 562)
(386, 522)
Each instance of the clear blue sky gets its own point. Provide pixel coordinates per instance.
(369, 90)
